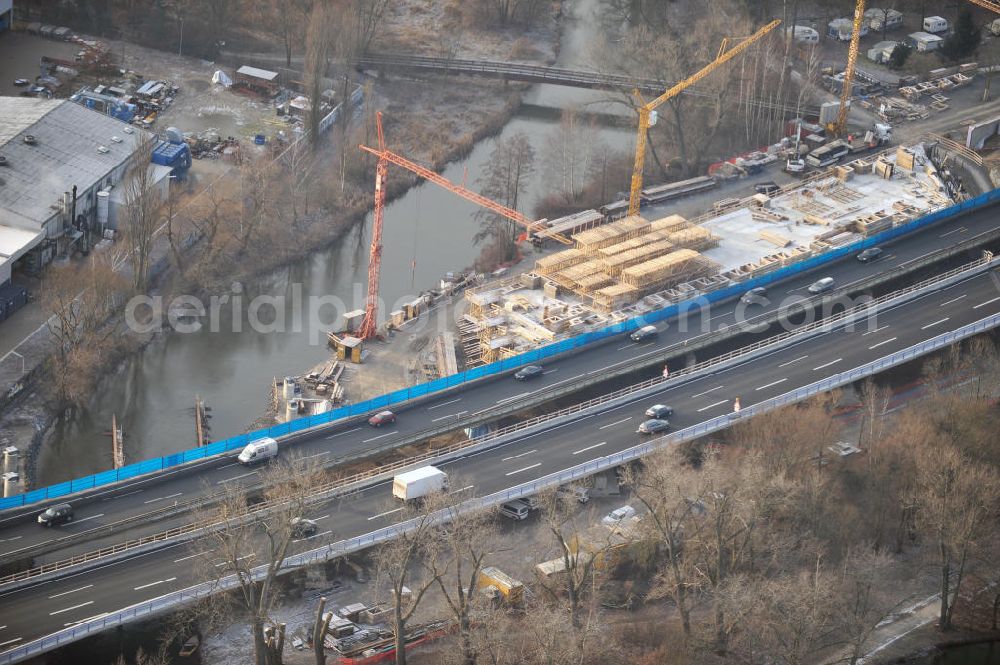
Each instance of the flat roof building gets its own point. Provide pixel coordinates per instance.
(47, 147)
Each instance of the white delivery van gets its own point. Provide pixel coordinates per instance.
(419, 483)
(935, 24)
(259, 451)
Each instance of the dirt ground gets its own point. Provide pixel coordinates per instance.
(417, 26)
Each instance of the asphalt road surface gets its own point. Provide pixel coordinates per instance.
(46, 607)
(100, 508)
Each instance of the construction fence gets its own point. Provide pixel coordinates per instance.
(493, 369)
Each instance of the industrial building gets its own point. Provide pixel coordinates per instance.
(49, 147)
(623, 269)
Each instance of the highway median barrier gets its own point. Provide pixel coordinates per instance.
(173, 600)
(505, 435)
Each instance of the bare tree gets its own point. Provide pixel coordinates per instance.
(258, 198)
(581, 557)
(367, 18)
(396, 560)
(791, 621)
(318, 41)
(862, 601)
(507, 12)
(569, 157)
(791, 439)
(298, 163)
(874, 407)
(251, 544)
(454, 561)
(675, 501)
(320, 625)
(732, 498)
(956, 500)
(505, 180)
(82, 300)
(141, 203)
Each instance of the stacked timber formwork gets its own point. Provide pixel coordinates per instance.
(622, 261)
(634, 266)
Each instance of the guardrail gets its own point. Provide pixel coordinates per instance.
(493, 369)
(169, 601)
(344, 485)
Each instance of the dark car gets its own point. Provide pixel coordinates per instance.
(529, 372)
(871, 254)
(755, 296)
(61, 513)
(382, 418)
(652, 426)
(21, 82)
(768, 188)
(659, 411)
(644, 333)
(303, 528)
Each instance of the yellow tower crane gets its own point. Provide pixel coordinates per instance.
(647, 109)
(852, 61)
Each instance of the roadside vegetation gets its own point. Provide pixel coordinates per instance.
(763, 545)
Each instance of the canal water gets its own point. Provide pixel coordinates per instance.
(427, 232)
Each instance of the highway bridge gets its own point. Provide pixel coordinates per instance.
(132, 509)
(513, 71)
(74, 604)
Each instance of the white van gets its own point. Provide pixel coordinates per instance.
(515, 510)
(933, 24)
(259, 451)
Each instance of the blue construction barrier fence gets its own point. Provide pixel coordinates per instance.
(536, 355)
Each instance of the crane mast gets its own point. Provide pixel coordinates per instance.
(646, 110)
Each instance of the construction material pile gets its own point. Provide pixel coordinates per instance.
(627, 258)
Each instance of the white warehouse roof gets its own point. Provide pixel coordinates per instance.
(65, 152)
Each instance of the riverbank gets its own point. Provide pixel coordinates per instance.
(431, 123)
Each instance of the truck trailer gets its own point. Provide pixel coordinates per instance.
(419, 483)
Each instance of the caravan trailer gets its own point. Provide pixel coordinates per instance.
(804, 34)
(843, 28)
(935, 24)
(883, 19)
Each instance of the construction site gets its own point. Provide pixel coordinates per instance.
(626, 268)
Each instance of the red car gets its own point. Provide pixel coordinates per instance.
(382, 418)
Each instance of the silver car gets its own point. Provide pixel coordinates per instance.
(821, 285)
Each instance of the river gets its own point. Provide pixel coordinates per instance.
(427, 232)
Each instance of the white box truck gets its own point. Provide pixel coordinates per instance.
(419, 483)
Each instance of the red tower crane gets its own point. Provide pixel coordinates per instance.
(370, 322)
(385, 157)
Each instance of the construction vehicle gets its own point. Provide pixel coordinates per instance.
(495, 581)
(647, 111)
(419, 483)
(795, 166)
(878, 135)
